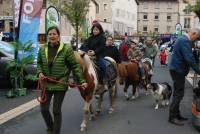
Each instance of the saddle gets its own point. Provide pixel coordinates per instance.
(137, 63)
(111, 71)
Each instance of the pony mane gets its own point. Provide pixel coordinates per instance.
(147, 60)
(88, 61)
(79, 60)
(83, 59)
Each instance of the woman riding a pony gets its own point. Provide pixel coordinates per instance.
(94, 46)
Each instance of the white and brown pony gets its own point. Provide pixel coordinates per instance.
(129, 74)
(93, 88)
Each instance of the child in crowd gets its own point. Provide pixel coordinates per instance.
(163, 57)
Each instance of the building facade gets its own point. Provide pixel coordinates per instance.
(104, 14)
(6, 16)
(157, 16)
(125, 16)
(187, 18)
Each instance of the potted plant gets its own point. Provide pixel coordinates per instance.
(16, 67)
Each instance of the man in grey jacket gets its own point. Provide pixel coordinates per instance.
(150, 49)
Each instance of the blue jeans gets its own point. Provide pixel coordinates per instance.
(141, 68)
(102, 68)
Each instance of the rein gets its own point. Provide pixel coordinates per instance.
(44, 79)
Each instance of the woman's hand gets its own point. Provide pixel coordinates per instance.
(41, 76)
(84, 85)
(91, 53)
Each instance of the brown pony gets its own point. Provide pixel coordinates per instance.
(89, 72)
(128, 73)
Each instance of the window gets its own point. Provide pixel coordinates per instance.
(168, 28)
(169, 17)
(11, 26)
(145, 5)
(128, 15)
(97, 9)
(123, 13)
(145, 17)
(169, 5)
(187, 10)
(105, 6)
(105, 20)
(133, 16)
(1, 25)
(117, 13)
(44, 5)
(145, 28)
(157, 5)
(186, 22)
(156, 29)
(156, 17)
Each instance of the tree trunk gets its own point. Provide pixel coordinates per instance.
(77, 37)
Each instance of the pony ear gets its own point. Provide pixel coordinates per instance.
(81, 53)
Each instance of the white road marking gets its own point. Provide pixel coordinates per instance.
(18, 111)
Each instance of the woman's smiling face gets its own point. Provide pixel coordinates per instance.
(96, 31)
(53, 36)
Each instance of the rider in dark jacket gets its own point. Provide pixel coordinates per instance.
(94, 46)
(111, 50)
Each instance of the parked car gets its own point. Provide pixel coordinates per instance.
(7, 53)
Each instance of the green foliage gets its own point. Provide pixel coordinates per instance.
(31, 77)
(16, 65)
(195, 8)
(151, 34)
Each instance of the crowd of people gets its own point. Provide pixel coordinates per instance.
(56, 56)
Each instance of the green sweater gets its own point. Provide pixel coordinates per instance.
(63, 63)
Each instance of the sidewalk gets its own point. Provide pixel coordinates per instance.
(7, 104)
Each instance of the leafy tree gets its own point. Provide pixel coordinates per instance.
(195, 8)
(75, 10)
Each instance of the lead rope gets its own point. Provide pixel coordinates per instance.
(42, 87)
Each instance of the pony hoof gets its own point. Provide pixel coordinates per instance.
(98, 111)
(156, 108)
(133, 97)
(83, 129)
(147, 93)
(92, 118)
(110, 111)
(127, 98)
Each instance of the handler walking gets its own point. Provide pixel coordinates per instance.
(56, 60)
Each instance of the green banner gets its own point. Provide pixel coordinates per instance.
(52, 18)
